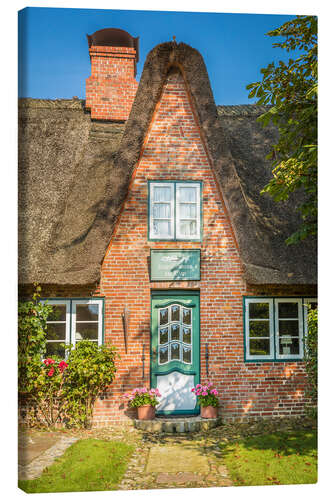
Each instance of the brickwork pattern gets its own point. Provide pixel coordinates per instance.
(111, 88)
(174, 150)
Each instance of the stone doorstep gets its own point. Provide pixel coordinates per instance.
(177, 425)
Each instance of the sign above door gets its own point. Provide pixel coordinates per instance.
(172, 265)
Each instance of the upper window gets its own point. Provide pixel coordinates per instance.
(274, 328)
(174, 210)
(72, 320)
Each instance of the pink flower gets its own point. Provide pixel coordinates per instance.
(209, 384)
(51, 372)
(193, 390)
(214, 391)
(48, 361)
(204, 393)
(62, 366)
(198, 386)
(197, 393)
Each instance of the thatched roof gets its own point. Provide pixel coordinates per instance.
(74, 175)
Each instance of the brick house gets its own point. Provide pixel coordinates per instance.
(141, 217)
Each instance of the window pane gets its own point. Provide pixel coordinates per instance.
(164, 337)
(175, 331)
(187, 194)
(188, 211)
(187, 316)
(86, 312)
(54, 349)
(288, 345)
(175, 313)
(56, 331)
(288, 328)
(259, 347)
(186, 335)
(258, 310)
(163, 354)
(288, 310)
(163, 316)
(162, 227)
(188, 228)
(259, 328)
(175, 352)
(58, 313)
(186, 354)
(162, 193)
(86, 331)
(161, 211)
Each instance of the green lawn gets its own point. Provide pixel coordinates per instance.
(88, 465)
(279, 458)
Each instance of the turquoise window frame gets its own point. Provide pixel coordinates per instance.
(175, 182)
(273, 357)
(82, 300)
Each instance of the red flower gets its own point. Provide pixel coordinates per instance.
(48, 361)
(51, 372)
(62, 366)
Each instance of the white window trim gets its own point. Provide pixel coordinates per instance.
(300, 329)
(198, 205)
(75, 302)
(61, 302)
(251, 357)
(153, 236)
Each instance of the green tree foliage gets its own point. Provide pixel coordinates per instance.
(91, 368)
(291, 91)
(311, 358)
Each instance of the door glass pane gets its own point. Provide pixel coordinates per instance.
(186, 354)
(188, 228)
(175, 352)
(162, 193)
(187, 316)
(175, 332)
(162, 227)
(259, 328)
(161, 211)
(58, 313)
(163, 355)
(56, 331)
(54, 349)
(186, 335)
(259, 347)
(175, 313)
(288, 345)
(258, 310)
(164, 335)
(86, 331)
(288, 310)
(164, 316)
(288, 328)
(187, 193)
(86, 312)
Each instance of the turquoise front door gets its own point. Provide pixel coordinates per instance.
(175, 350)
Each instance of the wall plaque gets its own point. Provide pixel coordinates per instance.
(170, 265)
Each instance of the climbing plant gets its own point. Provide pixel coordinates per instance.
(311, 359)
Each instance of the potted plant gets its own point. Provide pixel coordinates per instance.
(207, 398)
(145, 401)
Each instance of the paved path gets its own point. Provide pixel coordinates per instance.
(175, 462)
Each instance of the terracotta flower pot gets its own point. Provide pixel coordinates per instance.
(146, 412)
(208, 411)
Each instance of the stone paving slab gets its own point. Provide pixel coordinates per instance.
(176, 458)
(30, 447)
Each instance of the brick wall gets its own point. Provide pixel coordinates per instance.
(174, 150)
(111, 88)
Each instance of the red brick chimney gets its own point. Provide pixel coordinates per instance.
(111, 88)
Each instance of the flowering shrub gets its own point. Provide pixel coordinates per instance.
(207, 395)
(141, 396)
(51, 392)
(91, 368)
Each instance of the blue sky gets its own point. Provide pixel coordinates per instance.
(54, 59)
